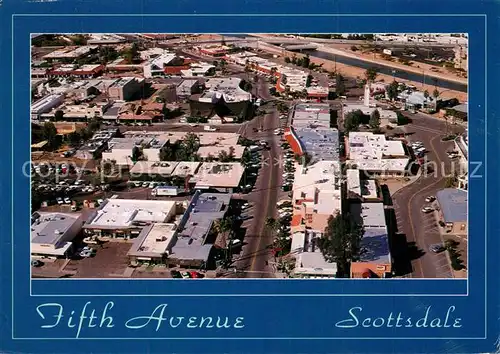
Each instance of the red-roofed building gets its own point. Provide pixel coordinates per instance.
(294, 141)
(84, 71)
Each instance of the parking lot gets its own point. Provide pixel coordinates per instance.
(109, 261)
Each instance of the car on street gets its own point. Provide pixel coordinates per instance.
(36, 263)
(427, 210)
(145, 184)
(86, 253)
(60, 201)
(193, 125)
(195, 274)
(67, 201)
(437, 248)
(430, 199)
(245, 206)
(185, 275)
(175, 274)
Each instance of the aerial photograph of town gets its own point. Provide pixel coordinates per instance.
(216, 156)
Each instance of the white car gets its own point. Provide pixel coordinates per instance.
(245, 206)
(430, 199)
(67, 201)
(427, 210)
(60, 201)
(193, 124)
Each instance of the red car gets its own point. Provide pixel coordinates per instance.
(194, 275)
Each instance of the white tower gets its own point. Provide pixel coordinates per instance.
(367, 95)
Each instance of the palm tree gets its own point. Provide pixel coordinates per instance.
(272, 224)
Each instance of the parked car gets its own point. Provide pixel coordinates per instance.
(194, 274)
(245, 206)
(60, 201)
(175, 274)
(185, 275)
(427, 210)
(430, 199)
(67, 201)
(36, 263)
(437, 248)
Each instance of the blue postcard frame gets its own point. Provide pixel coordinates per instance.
(264, 315)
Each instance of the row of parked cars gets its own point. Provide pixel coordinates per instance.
(288, 170)
(418, 148)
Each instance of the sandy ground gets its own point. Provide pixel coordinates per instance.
(417, 67)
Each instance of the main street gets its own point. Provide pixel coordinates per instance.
(420, 228)
(253, 260)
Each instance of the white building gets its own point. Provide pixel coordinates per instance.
(155, 66)
(224, 177)
(373, 154)
(154, 243)
(226, 88)
(121, 149)
(125, 218)
(52, 233)
(198, 69)
(45, 105)
(309, 261)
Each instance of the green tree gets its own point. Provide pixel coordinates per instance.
(339, 85)
(401, 119)
(371, 74)
(435, 94)
(450, 181)
(59, 115)
(223, 225)
(167, 153)
(341, 242)
(352, 121)
(272, 224)
(392, 91)
(49, 133)
(306, 61)
(375, 120)
(74, 139)
(136, 154)
(287, 60)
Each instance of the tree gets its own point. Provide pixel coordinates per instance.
(339, 85)
(167, 153)
(74, 139)
(306, 61)
(136, 154)
(352, 121)
(450, 181)
(49, 133)
(435, 94)
(375, 120)
(287, 60)
(341, 242)
(392, 91)
(59, 115)
(223, 225)
(94, 124)
(402, 119)
(426, 94)
(272, 224)
(371, 74)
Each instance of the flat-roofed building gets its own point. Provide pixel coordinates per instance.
(70, 53)
(317, 193)
(198, 69)
(311, 116)
(309, 261)
(227, 89)
(357, 188)
(52, 233)
(375, 258)
(45, 104)
(154, 243)
(453, 210)
(215, 151)
(217, 138)
(221, 176)
(321, 144)
(125, 88)
(187, 88)
(120, 150)
(155, 66)
(125, 218)
(186, 168)
(84, 71)
(375, 155)
(192, 248)
(153, 168)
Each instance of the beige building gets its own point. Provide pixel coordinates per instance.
(125, 88)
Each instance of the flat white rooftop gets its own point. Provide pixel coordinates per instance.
(314, 264)
(218, 138)
(122, 213)
(214, 174)
(228, 88)
(154, 240)
(214, 151)
(322, 176)
(186, 168)
(165, 168)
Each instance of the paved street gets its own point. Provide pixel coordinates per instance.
(421, 229)
(255, 253)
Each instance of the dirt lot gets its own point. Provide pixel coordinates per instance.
(110, 261)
